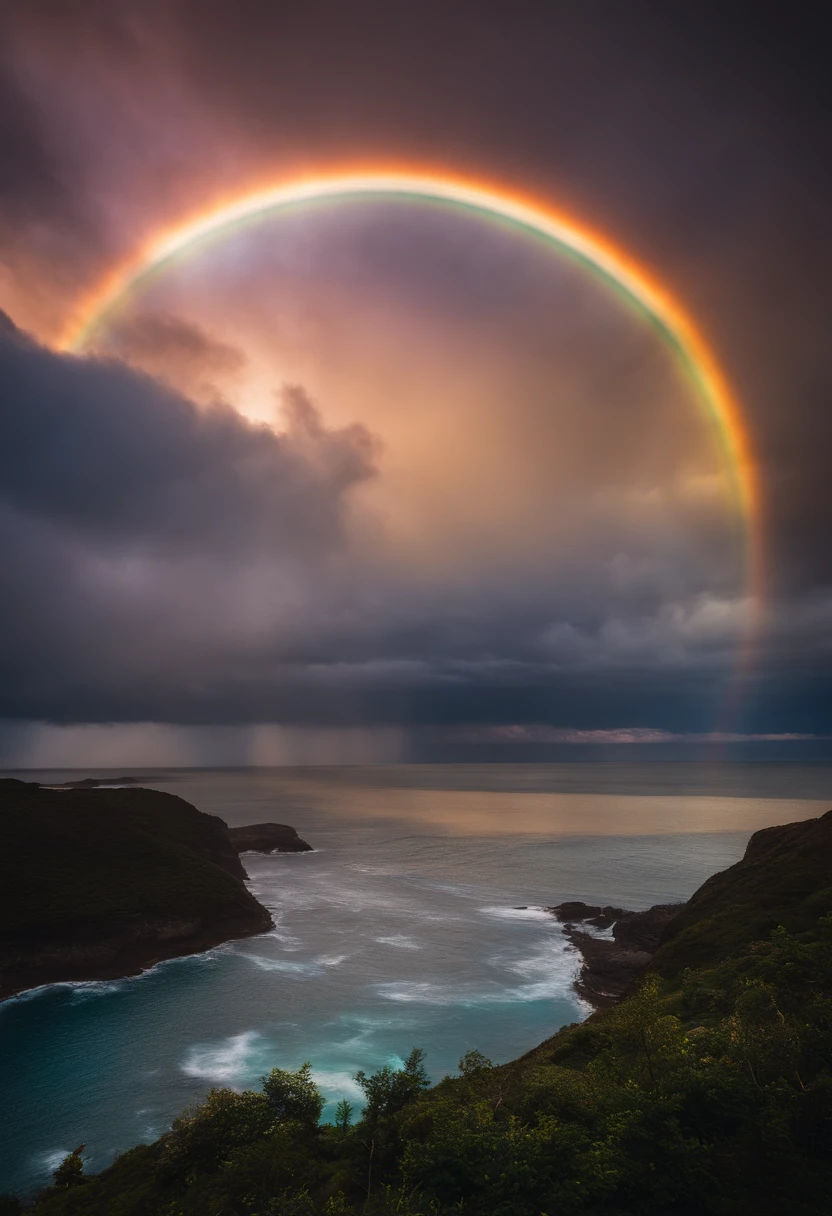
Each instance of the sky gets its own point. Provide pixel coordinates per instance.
(374, 480)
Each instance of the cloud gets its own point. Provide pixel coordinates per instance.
(620, 735)
(29, 180)
(163, 559)
(97, 450)
(180, 352)
(166, 562)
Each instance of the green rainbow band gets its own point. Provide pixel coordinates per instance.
(596, 254)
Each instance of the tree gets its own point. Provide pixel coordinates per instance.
(343, 1115)
(206, 1135)
(71, 1170)
(389, 1090)
(294, 1096)
(474, 1063)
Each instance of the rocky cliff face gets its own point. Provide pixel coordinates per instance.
(784, 878)
(611, 964)
(96, 883)
(267, 838)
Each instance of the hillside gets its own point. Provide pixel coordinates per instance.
(706, 1092)
(102, 882)
(785, 878)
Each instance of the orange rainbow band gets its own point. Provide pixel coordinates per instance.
(635, 284)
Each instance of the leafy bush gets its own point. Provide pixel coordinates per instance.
(203, 1138)
(294, 1096)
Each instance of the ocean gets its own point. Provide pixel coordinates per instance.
(417, 921)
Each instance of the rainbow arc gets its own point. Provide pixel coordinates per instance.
(638, 286)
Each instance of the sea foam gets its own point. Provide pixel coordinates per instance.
(401, 940)
(226, 1061)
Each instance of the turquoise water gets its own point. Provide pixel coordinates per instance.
(404, 928)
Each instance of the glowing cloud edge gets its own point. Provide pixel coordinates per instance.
(595, 252)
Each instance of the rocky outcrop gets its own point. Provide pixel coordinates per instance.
(611, 964)
(94, 783)
(99, 883)
(267, 838)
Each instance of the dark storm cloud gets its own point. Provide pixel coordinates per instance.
(100, 450)
(167, 563)
(695, 135)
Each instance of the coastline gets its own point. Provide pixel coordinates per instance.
(120, 956)
(613, 962)
(102, 883)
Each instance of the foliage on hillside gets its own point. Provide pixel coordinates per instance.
(706, 1091)
(785, 878)
(710, 1096)
(72, 856)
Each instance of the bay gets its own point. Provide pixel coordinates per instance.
(417, 921)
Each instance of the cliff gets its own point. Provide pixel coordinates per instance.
(96, 883)
(784, 878)
(267, 838)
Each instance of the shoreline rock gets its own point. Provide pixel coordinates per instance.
(267, 838)
(123, 952)
(612, 964)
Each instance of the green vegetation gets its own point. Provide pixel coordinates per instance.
(707, 1091)
(785, 878)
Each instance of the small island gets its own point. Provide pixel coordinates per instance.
(93, 783)
(98, 883)
(267, 838)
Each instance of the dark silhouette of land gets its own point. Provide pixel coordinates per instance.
(99, 883)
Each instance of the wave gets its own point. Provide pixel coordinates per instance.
(529, 913)
(94, 988)
(287, 940)
(367, 1027)
(549, 971)
(284, 965)
(425, 992)
(329, 891)
(82, 990)
(79, 990)
(227, 1061)
(604, 935)
(316, 966)
(335, 1084)
(50, 1160)
(401, 940)
(252, 853)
